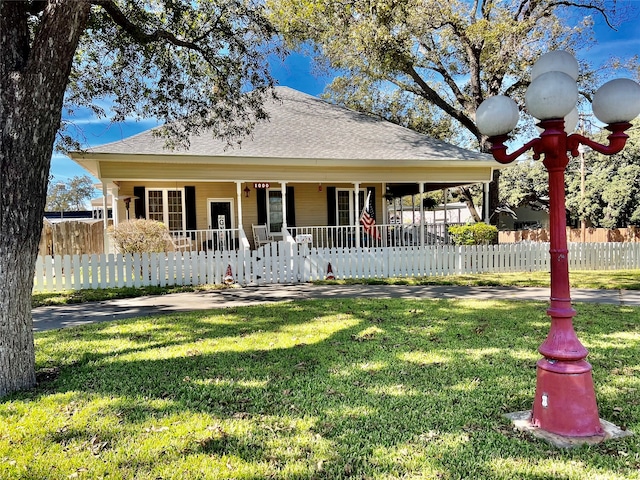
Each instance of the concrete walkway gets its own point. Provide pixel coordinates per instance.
(53, 317)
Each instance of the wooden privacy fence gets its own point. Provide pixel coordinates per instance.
(591, 235)
(72, 237)
(290, 263)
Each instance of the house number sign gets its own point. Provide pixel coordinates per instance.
(261, 185)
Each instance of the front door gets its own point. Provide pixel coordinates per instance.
(220, 218)
(217, 209)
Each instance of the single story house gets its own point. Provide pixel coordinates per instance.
(303, 174)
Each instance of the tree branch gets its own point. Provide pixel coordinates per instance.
(602, 11)
(519, 84)
(472, 52)
(527, 7)
(431, 95)
(448, 79)
(138, 34)
(523, 8)
(473, 11)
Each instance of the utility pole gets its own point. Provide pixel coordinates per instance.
(582, 149)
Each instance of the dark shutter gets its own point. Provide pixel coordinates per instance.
(372, 190)
(261, 196)
(331, 206)
(140, 206)
(291, 208)
(190, 207)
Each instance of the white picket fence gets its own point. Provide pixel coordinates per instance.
(285, 262)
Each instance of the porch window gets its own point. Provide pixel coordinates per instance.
(274, 211)
(167, 206)
(344, 205)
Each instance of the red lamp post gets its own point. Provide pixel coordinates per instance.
(565, 402)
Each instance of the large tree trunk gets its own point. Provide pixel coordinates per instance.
(494, 197)
(33, 78)
(494, 186)
(465, 193)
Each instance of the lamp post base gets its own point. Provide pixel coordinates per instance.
(565, 401)
(522, 422)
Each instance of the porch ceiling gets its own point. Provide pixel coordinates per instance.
(397, 190)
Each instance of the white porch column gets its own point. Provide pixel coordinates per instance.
(421, 214)
(283, 190)
(487, 215)
(356, 208)
(445, 195)
(385, 209)
(105, 220)
(115, 192)
(413, 209)
(239, 201)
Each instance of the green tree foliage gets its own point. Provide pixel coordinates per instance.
(611, 196)
(428, 64)
(612, 187)
(70, 196)
(525, 183)
(195, 65)
(451, 54)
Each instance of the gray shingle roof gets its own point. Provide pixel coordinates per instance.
(301, 126)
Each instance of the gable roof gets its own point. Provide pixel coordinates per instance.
(301, 126)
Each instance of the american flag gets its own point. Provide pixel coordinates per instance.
(367, 220)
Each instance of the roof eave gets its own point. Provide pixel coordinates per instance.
(85, 157)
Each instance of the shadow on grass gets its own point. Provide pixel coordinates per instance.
(342, 388)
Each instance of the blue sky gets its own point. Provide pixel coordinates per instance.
(296, 72)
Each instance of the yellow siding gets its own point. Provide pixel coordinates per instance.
(311, 205)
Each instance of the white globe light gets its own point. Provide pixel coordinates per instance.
(617, 101)
(551, 95)
(497, 116)
(557, 61)
(571, 121)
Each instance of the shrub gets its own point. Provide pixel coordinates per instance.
(474, 234)
(140, 236)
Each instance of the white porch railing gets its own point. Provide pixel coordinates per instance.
(209, 240)
(389, 235)
(288, 262)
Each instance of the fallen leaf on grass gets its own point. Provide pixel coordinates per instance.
(156, 429)
(96, 446)
(77, 473)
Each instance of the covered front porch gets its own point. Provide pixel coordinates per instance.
(208, 216)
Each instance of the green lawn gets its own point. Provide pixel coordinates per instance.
(599, 279)
(324, 389)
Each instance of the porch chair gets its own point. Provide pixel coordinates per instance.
(181, 243)
(260, 235)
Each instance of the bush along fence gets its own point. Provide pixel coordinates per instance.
(291, 263)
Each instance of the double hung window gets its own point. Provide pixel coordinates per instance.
(344, 206)
(167, 206)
